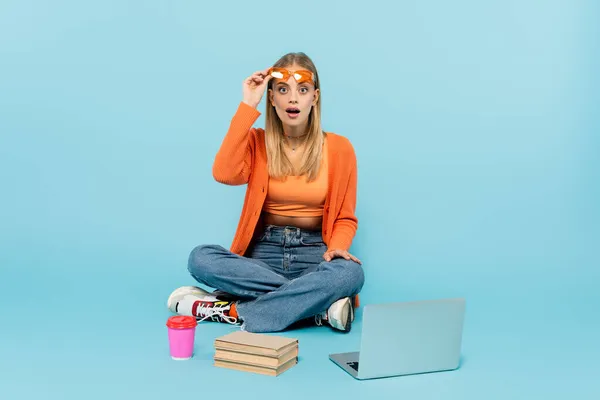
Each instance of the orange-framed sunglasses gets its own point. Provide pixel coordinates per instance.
(301, 75)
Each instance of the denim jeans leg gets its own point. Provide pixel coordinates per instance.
(244, 277)
(302, 297)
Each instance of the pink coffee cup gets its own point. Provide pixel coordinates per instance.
(182, 331)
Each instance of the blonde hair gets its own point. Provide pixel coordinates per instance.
(278, 164)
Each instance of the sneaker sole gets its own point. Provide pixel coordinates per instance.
(346, 313)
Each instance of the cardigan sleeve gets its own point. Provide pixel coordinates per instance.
(346, 222)
(233, 162)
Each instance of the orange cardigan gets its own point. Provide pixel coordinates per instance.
(242, 159)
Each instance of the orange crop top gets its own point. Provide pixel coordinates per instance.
(295, 197)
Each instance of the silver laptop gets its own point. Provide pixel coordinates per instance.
(407, 338)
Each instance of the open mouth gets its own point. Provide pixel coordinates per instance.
(292, 111)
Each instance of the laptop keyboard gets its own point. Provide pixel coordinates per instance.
(353, 365)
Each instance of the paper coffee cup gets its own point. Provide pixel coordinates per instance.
(182, 331)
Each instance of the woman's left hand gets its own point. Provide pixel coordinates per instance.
(333, 253)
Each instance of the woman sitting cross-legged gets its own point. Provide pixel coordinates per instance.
(289, 259)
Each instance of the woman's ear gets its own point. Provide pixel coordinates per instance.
(316, 97)
(271, 97)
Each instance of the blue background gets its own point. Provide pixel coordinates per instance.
(476, 128)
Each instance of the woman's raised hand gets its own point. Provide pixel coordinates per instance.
(254, 87)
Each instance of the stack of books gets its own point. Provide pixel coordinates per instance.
(254, 352)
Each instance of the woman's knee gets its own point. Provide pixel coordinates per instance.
(202, 258)
(348, 273)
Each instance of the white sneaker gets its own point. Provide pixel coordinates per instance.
(196, 302)
(339, 315)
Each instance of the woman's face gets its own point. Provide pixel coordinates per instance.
(293, 101)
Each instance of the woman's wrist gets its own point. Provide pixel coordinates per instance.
(250, 103)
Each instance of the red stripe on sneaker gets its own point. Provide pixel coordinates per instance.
(195, 308)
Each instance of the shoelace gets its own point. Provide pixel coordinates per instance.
(319, 319)
(214, 313)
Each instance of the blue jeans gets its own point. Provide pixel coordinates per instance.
(282, 279)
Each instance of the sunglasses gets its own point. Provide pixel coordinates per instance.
(300, 76)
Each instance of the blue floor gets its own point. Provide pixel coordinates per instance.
(107, 340)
